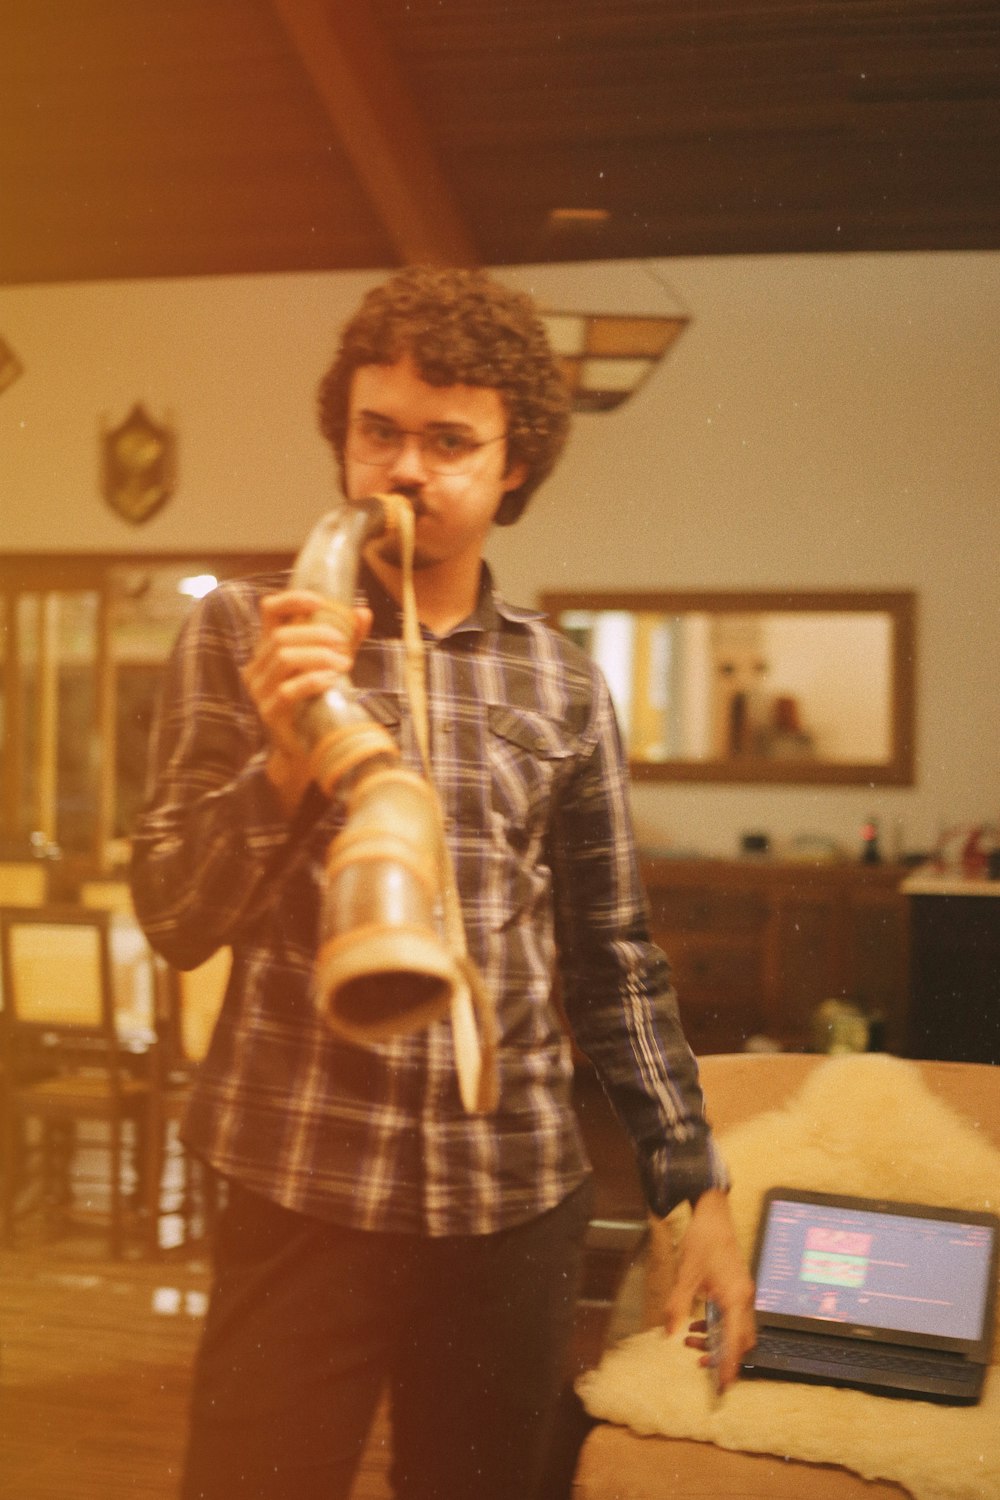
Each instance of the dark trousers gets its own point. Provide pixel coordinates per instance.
(309, 1322)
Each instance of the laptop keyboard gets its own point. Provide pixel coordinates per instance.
(882, 1357)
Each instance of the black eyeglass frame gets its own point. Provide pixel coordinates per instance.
(424, 435)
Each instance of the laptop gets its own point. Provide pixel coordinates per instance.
(895, 1298)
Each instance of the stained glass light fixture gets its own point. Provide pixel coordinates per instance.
(606, 357)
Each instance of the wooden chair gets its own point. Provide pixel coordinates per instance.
(23, 882)
(187, 1006)
(107, 895)
(64, 1060)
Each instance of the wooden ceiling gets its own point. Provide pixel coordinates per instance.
(143, 138)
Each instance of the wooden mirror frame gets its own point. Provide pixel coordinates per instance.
(896, 770)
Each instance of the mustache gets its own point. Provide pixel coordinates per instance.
(413, 495)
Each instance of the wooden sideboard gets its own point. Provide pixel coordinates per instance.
(756, 945)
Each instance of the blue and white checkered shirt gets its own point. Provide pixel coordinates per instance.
(528, 765)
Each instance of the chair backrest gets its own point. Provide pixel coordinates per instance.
(107, 895)
(57, 976)
(23, 882)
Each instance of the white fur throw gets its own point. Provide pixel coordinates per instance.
(860, 1124)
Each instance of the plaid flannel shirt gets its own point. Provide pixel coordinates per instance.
(528, 765)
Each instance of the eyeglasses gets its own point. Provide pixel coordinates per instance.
(443, 450)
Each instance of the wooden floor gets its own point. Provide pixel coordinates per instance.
(94, 1365)
(94, 1375)
(95, 1355)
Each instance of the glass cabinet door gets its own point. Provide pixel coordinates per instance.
(53, 700)
(83, 643)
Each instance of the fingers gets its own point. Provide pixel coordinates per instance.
(301, 606)
(300, 634)
(298, 619)
(739, 1334)
(291, 605)
(712, 1267)
(675, 1311)
(735, 1338)
(279, 695)
(682, 1295)
(303, 649)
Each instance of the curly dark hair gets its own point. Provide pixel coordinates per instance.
(460, 327)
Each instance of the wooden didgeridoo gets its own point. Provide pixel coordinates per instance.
(383, 968)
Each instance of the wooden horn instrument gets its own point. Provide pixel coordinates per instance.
(383, 967)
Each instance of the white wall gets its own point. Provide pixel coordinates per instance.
(826, 421)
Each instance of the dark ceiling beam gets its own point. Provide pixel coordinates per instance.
(379, 127)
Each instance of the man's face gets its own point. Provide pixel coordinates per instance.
(454, 511)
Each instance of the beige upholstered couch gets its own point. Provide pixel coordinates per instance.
(615, 1463)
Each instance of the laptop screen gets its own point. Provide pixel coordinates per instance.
(893, 1267)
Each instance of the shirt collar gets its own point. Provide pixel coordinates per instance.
(489, 609)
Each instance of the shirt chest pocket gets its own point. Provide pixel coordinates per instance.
(386, 709)
(529, 757)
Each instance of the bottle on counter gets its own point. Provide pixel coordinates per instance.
(871, 852)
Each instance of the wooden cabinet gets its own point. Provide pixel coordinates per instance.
(955, 969)
(756, 945)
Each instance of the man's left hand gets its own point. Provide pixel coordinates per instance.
(712, 1266)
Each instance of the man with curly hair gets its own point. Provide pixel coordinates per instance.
(376, 1235)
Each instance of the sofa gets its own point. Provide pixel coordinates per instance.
(616, 1462)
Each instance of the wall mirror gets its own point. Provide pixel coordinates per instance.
(755, 686)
